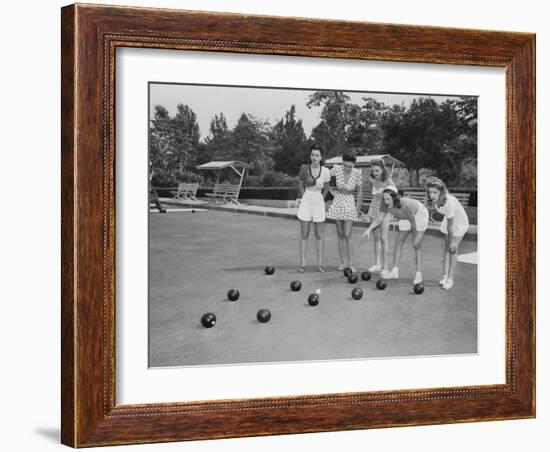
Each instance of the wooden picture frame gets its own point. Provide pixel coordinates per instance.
(90, 35)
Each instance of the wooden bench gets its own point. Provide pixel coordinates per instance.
(186, 192)
(367, 198)
(463, 198)
(225, 193)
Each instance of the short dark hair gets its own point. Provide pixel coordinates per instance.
(395, 196)
(316, 147)
(349, 158)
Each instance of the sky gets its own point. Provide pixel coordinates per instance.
(264, 103)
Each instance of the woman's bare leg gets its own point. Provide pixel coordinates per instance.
(398, 250)
(340, 234)
(418, 236)
(446, 257)
(377, 246)
(304, 236)
(348, 228)
(384, 233)
(454, 258)
(320, 241)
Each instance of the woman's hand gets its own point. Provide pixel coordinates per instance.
(367, 233)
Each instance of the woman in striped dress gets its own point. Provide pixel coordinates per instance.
(380, 179)
(344, 209)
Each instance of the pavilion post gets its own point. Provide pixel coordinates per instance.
(242, 177)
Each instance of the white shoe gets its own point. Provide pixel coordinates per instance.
(393, 274)
(375, 268)
(442, 280)
(448, 284)
(417, 278)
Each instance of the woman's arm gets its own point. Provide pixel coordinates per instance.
(412, 218)
(359, 198)
(325, 189)
(377, 221)
(300, 188)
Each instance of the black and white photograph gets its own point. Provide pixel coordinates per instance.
(292, 224)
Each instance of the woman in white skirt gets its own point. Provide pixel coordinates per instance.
(454, 225)
(313, 188)
(413, 217)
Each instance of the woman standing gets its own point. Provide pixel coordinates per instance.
(313, 188)
(344, 209)
(380, 179)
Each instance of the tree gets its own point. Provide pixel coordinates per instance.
(290, 143)
(363, 129)
(162, 143)
(250, 143)
(417, 135)
(462, 147)
(219, 141)
(187, 136)
(331, 131)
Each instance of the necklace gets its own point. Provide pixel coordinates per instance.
(311, 174)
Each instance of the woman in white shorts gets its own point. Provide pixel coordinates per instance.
(454, 225)
(313, 184)
(413, 217)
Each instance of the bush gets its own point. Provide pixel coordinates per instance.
(271, 179)
(172, 178)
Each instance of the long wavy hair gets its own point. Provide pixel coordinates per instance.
(435, 182)
(385, 173)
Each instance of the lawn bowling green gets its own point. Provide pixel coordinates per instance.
(196, 258)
